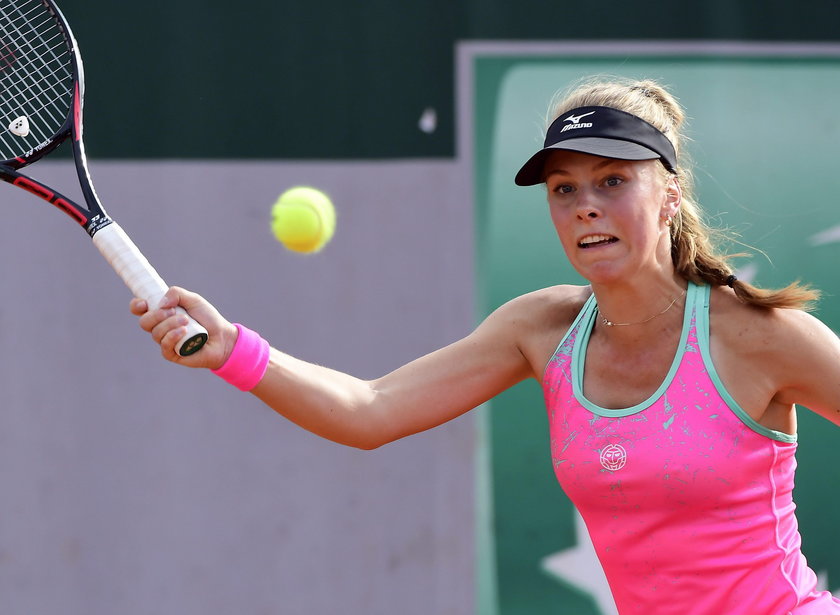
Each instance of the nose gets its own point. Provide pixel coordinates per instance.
(587, 208)
(587, 204)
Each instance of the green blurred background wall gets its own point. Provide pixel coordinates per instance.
(764, 140)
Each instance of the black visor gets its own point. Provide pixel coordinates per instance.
(602, 131)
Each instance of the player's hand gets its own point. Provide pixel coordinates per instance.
(167, 327)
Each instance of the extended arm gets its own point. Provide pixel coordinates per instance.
(362, 413)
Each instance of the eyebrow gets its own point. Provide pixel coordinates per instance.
(604, 163)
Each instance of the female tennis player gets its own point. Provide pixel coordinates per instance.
(670, 385)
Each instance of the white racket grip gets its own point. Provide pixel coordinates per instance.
(143, 280)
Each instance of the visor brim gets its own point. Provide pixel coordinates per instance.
(532, 172)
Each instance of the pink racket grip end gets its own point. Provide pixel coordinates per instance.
(248, 362)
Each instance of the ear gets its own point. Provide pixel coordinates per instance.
(673, 197)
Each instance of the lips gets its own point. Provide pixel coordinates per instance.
(595, 240)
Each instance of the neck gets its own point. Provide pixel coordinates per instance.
(629, 310)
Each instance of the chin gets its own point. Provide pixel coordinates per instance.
(602, 273)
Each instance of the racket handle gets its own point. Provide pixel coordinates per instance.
(143, 280)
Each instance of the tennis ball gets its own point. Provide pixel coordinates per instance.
(303, 219)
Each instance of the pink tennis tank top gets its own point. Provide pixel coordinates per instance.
(687, 498)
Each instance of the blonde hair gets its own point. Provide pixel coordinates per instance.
(695, 246)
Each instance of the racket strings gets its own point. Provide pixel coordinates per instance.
(45, 59)
(36, 75)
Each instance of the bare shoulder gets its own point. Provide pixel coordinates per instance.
(555, 306)
(538, 320)
(783, 345)
(760, 329)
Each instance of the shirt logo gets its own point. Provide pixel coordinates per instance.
(613, 457)
(576, 123)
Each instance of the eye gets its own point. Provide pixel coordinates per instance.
(613, 181)
(562, 189)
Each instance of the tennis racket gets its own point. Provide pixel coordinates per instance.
(41, 97)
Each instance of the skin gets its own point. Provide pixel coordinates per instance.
(768, 360)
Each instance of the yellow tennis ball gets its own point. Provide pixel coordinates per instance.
(303, 219)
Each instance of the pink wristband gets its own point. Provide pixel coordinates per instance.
(246, 365)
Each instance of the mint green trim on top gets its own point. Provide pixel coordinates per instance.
(586, 306)
(579, 357)
(703, 330)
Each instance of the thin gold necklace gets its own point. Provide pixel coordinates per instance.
(609, 323)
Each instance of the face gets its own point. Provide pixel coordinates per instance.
(610, 214)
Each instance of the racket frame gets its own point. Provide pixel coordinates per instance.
(107, 235)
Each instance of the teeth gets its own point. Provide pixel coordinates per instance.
(595, 239)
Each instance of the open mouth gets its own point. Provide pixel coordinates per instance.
(592, 241)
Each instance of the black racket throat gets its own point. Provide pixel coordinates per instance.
(41, 100)
(92, 218)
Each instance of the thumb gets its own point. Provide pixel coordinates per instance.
(172, 298)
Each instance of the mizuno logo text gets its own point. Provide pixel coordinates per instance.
(576, 122)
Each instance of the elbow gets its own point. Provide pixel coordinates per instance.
(369, 423)
(371, 438)
(368, 446)
(377, 427)
(368, 442)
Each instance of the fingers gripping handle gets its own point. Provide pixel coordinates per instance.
(143, 280)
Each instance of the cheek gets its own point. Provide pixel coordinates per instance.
(561, 223)
(562, 212)
(555, 214)
(568, 244)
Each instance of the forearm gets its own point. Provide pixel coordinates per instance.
(331, 404)
(420, 395)
(362, 413)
